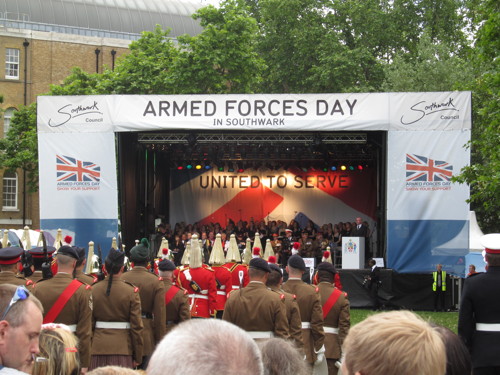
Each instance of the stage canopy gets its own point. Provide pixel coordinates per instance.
(282, 158)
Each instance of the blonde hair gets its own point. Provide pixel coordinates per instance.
(394, 343)
(59, 346)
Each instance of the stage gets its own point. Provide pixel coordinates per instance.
(398, 290)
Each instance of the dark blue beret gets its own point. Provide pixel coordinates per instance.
(259, 264)
(115, 256)
(296, 261)
(68, 251)
(166, 265)
(274, 267)
(326, 266)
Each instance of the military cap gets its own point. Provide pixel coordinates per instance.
(491, 243)
(140, 252)
(10, 255)
(260, 264)
(115, 256)
(80, 251)
(288, 230)
(69, 251)
(166, 265)
(274, 267)
(37, 252)
(325, 266)
(296, 261)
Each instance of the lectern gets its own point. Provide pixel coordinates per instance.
(353, 253)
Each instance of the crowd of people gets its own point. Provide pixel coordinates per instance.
(313, 239)
(166, 323)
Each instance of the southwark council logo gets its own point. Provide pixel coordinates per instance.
(423, 173)
(350, 247)
(74, 174)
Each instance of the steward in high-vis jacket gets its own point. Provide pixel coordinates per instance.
(439, 287)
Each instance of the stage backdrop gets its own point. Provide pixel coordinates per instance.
(427, 214)
(324, 197)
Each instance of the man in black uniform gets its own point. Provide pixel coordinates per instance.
(479, 316)
(373, 284)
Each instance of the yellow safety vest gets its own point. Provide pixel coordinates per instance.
(443, 281)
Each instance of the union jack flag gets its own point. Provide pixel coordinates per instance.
(71, 169)
(420, 168)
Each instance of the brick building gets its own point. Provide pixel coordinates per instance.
(42, 40)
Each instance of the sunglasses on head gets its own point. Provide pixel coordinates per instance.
(20, 294)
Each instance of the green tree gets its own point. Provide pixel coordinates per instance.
(19, 149)
(223, 57)
(433, 68)
(146, 69)
(483, 175)
(343, 45)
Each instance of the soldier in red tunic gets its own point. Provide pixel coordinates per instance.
(223, 277)
(200, 283)
(239, 272)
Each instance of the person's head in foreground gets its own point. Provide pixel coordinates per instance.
(206, 346)
(393, 343)
(20, 324)
(458, 361)
(281, 357)
(59, 346)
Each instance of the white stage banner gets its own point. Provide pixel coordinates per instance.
(430, 111)
(269, 112)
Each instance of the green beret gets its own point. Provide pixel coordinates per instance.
(140, 252)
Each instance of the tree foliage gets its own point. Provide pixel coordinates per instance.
(483, 175)
(433, 68)
(19, 148)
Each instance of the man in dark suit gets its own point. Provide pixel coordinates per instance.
(479, 316)
(360, 230)
(373, 284)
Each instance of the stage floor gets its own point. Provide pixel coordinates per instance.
(398, 291)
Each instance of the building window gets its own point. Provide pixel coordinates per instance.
(11, 63)
(10, 190)
(9, 112)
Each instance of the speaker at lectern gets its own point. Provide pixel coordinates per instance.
(353, 253)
